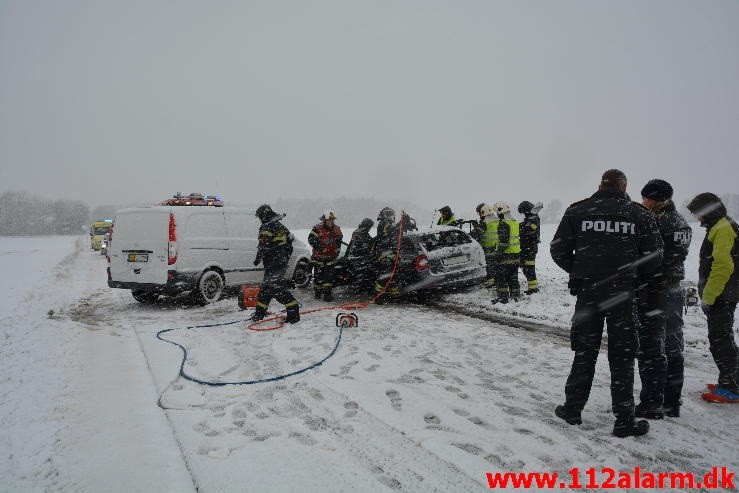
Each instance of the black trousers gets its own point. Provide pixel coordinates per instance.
(528, 266)
(275, 286)
(722, 344)
(506, 279)
(674, 346)
(323, 275)
(612, 302)
(652, 303)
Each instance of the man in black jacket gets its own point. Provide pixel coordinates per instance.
(274, 249)
(605, 243)
(661, 310)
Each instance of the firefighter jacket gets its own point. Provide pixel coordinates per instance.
(360, 244)
(607, 236)
(452, 221)
(502, 236)
(530, 234)
(478, 229)
(275, 243)
(387, 233)
(718, 278)
(676, 236)
(326, 241)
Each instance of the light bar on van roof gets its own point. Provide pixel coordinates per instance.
(195, 199)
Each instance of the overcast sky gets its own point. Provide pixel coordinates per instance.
(438, 102)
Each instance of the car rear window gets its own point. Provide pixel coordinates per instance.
(443, 239)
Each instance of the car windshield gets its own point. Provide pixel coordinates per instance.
(443, 239)
(101, 230)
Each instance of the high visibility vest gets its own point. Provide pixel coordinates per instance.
(490, 238)
(451, 221)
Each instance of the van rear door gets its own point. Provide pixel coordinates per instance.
(138, 253)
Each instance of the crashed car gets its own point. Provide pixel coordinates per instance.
(440, 258)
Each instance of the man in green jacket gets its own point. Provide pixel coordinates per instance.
(718, 286)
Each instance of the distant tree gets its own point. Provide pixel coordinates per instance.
(22, 214)
(552, 212)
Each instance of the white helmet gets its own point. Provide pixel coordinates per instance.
(501, 207)
(328, 214)
(486, 210)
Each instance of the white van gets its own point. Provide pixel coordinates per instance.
(173, 249)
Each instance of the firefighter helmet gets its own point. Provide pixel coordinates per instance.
(486, 210)
(501, 207)
(264, 212)
(525, 207)
(328, 214)
(386, 214)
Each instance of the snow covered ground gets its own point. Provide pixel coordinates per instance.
(416, 398)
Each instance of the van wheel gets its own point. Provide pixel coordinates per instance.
(209, 288)
(144, 296)
(302, 275)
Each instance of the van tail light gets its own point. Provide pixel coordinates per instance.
(172, 245)
(421, 263)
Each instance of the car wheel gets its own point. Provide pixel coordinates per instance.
(144, 296)
(302, 274)
(209, 287)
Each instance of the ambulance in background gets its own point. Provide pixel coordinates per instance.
(98, 229)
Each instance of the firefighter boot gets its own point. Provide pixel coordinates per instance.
(328, 295)
(293, 314)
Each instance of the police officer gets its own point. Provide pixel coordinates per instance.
(605, 243)
(660, 353)
(503, 234)
(530, 229)
(274, 249)
(718, 286)
(325, 238)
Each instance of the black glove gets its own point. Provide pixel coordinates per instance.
(574, 286)
(257, 261)
(706, 308)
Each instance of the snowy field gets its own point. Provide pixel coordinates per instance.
(417, 398)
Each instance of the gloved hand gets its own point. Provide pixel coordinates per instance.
(706, 308)
(574, 286)
(257, 261)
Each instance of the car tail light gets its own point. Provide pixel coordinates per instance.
(421, 263)
(172, 245)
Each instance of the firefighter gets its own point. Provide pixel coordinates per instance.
(361, 251)
(605, 243)
(478, 227)
(385, 253)
(502, 235)
(530, 230)
(325, 238)
(274, 249)
(447, 217)
(488, 239)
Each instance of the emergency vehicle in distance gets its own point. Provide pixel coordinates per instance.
(98, 229)
(195, 199)
(176, 247)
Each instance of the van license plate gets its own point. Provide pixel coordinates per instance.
(138, 257)
(454, 260)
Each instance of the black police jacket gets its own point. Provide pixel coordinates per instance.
(607, 236)
(676, 236)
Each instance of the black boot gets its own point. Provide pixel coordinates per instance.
(317, 293)
(630, 428)
(293, 316)
(258, 314)
(645, 412)
(572, 417)
(328, 295)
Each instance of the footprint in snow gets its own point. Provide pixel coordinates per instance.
(395, 399)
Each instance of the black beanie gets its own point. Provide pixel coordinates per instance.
(658, 190)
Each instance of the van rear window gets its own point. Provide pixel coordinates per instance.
(142, 226)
